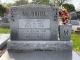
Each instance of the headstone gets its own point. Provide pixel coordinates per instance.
(74, 22)
(74, 18)
(35, 34)
(31, 23)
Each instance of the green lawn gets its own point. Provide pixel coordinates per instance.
(76, 41)
(74, 37)
(4, 30)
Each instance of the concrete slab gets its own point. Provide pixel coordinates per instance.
(41, 55)
(6, 56)
(3, 39)
(75, 56)
(74, 27)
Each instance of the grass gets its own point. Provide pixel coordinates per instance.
(76, 41)
(4, 30)
(74, 37)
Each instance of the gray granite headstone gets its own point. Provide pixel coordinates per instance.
(74, 22)
(35, 34)
(34, 23)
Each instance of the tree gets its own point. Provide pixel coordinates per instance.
(9, 5)
(20, 2)
(3, 10)
(41, 1)
(57, 2)
(69, 7)
(60, 2)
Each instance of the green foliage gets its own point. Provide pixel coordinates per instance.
(20, 2)
(57, 2)
(69, 7)
(9, 5)
(2, 10)
(41, 1)
(60, 2)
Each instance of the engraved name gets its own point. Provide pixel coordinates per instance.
(34, 13)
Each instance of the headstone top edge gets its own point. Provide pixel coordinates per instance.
(34, 5)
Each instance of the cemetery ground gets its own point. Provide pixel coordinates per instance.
(74, 37)
(4, 30)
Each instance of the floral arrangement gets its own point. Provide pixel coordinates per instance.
(64, 16)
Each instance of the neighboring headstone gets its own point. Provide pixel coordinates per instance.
(4, 22)
(35, 34)
(74, 18)
(74, 22)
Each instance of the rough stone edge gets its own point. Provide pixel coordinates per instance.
(5, 41)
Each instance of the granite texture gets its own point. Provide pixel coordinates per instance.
(39, 45)
(65, 32)
(34, 22)
(35, 34)
(41, 55)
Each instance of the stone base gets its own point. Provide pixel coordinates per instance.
(7, 55)
(41, 55)
(39, 45)
(40, 50)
